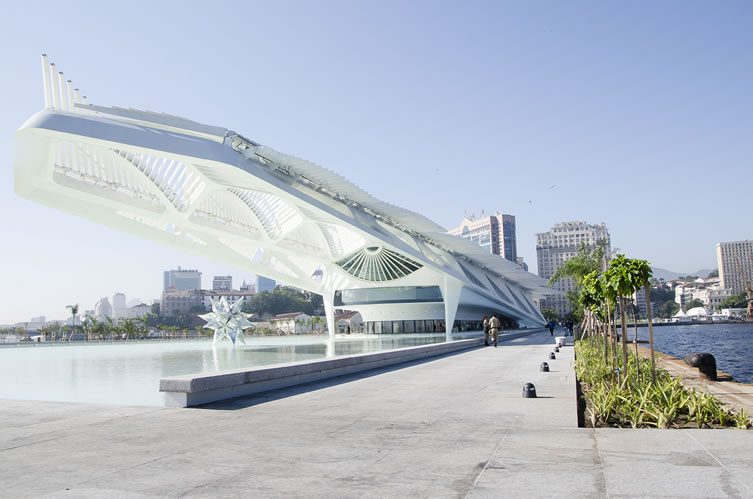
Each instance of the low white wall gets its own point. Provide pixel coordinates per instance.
(197, 389)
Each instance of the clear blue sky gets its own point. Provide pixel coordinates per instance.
(640, 113)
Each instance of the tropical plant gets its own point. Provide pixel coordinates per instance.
(589, 258)
(74, 313)
(664, 403)
(132, 328)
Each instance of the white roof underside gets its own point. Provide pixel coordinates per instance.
(342, 189)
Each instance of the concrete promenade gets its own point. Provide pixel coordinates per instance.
(455, 426)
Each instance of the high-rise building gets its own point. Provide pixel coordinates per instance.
(264, 284)
(735, 261)
(222, 283)
(495, 233)
(182, 279)
(555, 247)
(118, 305)
(103, 308)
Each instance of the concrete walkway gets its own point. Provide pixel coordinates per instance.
(453, 426)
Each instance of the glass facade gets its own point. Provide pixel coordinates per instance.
(418, 326)
(403, 294)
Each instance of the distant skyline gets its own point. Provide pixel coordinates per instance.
(637, 115)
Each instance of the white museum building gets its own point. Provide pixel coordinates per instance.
(214, 192)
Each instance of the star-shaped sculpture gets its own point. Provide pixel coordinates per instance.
(227, 321)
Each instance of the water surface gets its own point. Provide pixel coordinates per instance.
(129, 373)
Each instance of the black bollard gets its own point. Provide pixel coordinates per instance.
(552, 356)
(544, 367)
(557, 349)
(529, 391)
(704, 361)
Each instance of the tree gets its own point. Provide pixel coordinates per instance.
(74, 313)
(620, 280)
(641, 272)
(735, 301)
(668, 309)
(587, 260)
(695, 302)
(51, 329)
(132, 328)
(550, 315)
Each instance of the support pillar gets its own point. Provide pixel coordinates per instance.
(451, 296)
(329, 311)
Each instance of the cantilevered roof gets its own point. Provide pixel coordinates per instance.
(339, 188)
(61, 94)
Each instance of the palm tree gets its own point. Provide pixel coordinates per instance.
(74, 313)
(89, 325)
(131, 327)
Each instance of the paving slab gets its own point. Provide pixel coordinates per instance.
(455, 426)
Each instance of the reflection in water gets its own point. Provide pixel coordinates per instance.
(129, 373)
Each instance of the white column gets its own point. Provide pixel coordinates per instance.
(55, 101)
(46, 82)
(69, 92)
(451, 295)
(62, 93)
(329, 311)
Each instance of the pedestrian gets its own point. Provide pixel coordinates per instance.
(494, 328)
(551, 325)
(486, 331)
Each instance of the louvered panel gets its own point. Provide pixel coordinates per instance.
(177, 181)
(276, 216)
(96, 166)
(377, 264)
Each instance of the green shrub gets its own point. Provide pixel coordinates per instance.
(632, 399)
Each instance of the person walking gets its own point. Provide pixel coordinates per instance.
(551, 325)
(494, 328)
(486, 331)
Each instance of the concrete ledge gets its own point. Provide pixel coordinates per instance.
(196, 389)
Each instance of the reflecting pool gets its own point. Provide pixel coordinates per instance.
(128, 373)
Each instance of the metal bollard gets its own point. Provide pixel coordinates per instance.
(544, 367)
(552, 356)
(529, 391)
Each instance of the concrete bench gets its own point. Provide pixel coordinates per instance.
(196, 389)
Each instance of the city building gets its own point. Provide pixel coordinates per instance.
(264, 284)
(555, 247)
(180, 301)
(709, 291)
(182, 279)
(118, 305)
(212, 191)
(495, 233)
(248, 287)
(521, 261)
(735, 260)
(231, 295)
(349, 322)
(39, 319)
(137, 311)
(222, 283)
(292, 323)
(103, 309)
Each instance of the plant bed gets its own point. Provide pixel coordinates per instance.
(634, 400)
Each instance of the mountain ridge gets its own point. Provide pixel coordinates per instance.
(669, 275)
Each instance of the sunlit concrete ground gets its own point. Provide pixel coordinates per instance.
(454, 426)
